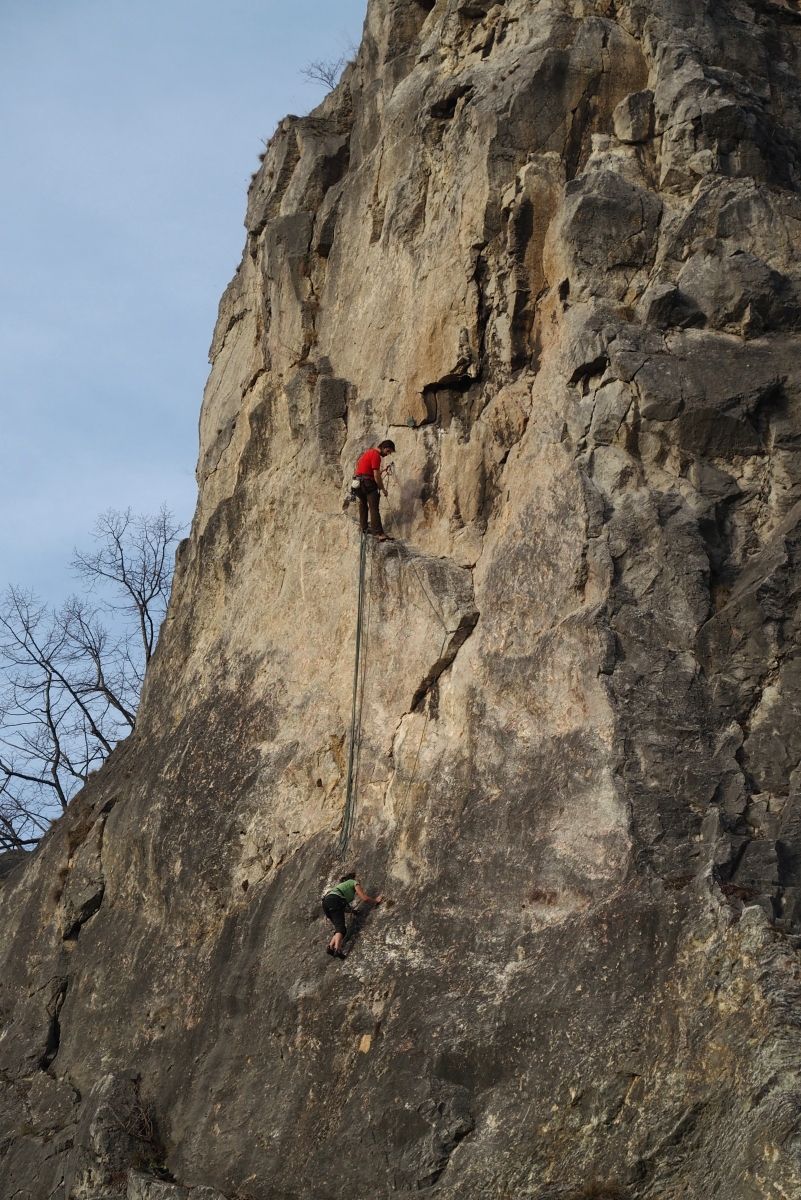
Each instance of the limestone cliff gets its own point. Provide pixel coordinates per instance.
(553, 251)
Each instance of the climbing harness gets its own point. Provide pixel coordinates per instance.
(359, 675)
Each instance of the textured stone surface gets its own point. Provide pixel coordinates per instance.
(553, 252)
(633, 119)
(9, 861)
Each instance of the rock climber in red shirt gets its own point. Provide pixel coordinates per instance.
(371, 484)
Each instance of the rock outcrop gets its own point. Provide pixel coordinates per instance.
(552, 250)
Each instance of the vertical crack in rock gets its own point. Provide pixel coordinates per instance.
(53, 1010)
(83, 888)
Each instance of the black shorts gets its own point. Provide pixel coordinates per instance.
(334, 908)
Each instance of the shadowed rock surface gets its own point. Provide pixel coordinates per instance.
(552, 250)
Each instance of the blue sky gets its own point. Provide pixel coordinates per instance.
(128, 133)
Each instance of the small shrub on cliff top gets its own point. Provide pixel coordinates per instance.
(80, 831)
(325, 71)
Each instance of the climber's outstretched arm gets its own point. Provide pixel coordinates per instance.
(362, 894)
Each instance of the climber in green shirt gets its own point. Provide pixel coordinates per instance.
(336, 901)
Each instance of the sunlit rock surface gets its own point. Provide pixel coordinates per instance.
(553, 252)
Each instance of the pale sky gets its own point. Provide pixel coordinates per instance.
(128, 133)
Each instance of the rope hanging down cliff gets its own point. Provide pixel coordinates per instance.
(357, 700)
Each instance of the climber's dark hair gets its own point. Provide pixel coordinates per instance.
(345, 878)
(386, 445)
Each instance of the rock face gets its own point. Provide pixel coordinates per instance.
(552, 250)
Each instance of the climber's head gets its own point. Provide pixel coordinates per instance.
(385, 448)
(345, 878)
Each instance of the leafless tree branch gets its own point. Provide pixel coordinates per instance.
(327, 71)
(324, 71)
(69, 685)
(133, 557)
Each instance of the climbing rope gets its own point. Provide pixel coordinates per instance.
(357, 702)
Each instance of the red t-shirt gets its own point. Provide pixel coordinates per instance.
(370, 461)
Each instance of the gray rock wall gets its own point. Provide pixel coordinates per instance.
(552, 250)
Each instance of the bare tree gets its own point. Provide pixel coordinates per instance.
(134, 557)
(69, 686)
(325, 71)
(328, 70)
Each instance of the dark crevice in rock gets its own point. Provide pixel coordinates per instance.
(458, 637)
(578, 128)
(481, 274)
(587, 370)
(54, 1029)
(87, 910)
(446, 399)
(725, 871)
(444, 108)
